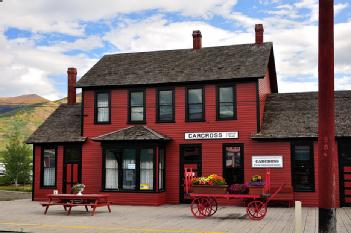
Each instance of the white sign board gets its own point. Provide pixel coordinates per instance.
(263, 161)
(210, 135)
(131, 166)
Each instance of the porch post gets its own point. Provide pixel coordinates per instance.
(326, 122)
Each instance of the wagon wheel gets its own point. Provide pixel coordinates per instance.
(256, 210)
(213, 204)
(197, 207)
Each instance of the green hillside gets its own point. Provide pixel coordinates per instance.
(29, 116)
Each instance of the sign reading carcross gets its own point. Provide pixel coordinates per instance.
(267, 161)
(210, 135)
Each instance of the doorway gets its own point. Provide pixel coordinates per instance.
(190, 157)
(345, 172)
(233, 163)
(72, 167)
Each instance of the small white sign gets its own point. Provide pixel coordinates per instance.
(131, 166)
(263, 161)
(210, 135)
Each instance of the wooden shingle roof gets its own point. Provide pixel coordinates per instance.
(295, 115)
(63, 125)
(184, 65)
(132, 133)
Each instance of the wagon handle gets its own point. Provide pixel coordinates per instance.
(188, 176)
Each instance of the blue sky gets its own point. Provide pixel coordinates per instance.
(39, 39)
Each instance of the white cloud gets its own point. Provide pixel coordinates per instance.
(64, 16)
(343, 83)
(25, 69)
(156, 33)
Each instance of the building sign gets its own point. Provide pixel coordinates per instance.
(210, 135)
(267, 161)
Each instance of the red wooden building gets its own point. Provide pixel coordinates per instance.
(145, 116)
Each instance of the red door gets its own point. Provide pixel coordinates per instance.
(71, 176)
(71, 167)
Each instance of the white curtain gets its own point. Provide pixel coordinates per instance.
(103, 110)
(49, 176)
(146, 169)
(111, 180)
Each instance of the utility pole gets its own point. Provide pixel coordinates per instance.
(326, 119)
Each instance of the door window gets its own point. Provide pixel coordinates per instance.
(233, 171)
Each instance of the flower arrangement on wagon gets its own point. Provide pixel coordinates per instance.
(256, 185)
(256, 181)
(212, 179)
(78, 189)
(212, 184)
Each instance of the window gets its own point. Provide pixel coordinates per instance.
(48, 167)
(130, 168)
(195, 104)
(102, 107)
(226, 106)
(233, 163)
(146, 169)
(137, 107)
(161, 169)
(165, 105)
(111, 164)
(302, 167)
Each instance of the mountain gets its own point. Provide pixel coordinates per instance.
(10, 103)
(28, 110)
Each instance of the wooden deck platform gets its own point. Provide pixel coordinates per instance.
(27, 216)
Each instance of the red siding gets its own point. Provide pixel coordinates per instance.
(211, 149)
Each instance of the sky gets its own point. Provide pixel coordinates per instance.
(40, 39)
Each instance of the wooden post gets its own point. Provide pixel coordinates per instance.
(298, 217)
(326, 122)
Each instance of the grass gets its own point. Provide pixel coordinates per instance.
(21, 188)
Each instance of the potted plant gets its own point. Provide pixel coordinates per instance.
(256, 185)
(212, 184)
(78, 189)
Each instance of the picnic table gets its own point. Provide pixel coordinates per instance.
(72, 200)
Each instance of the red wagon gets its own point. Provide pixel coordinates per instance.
(205, 205)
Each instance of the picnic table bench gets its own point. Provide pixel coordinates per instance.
(72, 200)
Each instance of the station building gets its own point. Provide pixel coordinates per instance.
(146, 116)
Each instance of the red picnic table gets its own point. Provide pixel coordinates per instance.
(72, 200)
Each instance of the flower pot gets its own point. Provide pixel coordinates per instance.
(209, 189)
(255, 190)
(80, 192)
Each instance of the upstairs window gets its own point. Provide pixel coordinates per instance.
(48, 167)
(137, 106)
(302, 167)
(195, 104)
(165, 105)
(226, 106)
(102, 107)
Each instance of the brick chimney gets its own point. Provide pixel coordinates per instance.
(259, 33)
(72, 77)
(197, 40)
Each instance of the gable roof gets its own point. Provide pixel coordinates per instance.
(63, 125)
(295, 115)
(131, 133)
(243, 61)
